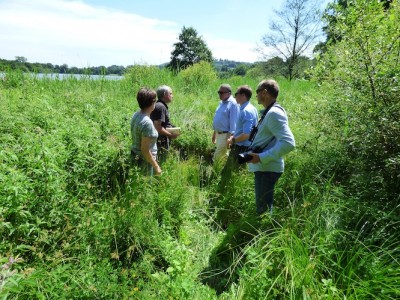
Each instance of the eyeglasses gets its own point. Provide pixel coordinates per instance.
(222, 92)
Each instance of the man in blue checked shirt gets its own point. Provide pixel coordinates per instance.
(224, 123)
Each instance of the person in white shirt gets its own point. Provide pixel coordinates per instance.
(273, 140)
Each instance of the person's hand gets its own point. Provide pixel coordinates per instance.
(229, 141)
(255, 159)
(173, 136)
(157, 171)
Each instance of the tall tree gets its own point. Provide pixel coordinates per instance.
(293, 31)
(189, 50)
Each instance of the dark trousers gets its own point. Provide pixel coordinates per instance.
(264, 184)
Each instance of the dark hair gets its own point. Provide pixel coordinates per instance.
(245, 90)
(271, 86)
(145, 97)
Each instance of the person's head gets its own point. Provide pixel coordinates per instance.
(146, 97)
(267, 91)
(164, 93)
(243, 94)
(224, 91)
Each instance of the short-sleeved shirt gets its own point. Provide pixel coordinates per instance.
(142, 126)
(226, 115)
(248, 118)
(161, 113)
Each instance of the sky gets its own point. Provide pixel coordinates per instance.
(89, 33)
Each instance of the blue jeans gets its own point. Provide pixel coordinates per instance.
(264, 184)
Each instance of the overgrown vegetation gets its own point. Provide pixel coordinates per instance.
(78, 221)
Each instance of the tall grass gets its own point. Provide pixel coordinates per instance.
(78, 221)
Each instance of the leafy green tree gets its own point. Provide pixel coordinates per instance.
(364, 66)
(189, 50)
(275, 66)
(332, 15)
(63, 69)
(293, 31)
(240, 70)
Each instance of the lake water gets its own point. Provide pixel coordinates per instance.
(66, 76)
(78, 76)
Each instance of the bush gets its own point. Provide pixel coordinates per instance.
(197, 77)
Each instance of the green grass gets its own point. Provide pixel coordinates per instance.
(87, 225)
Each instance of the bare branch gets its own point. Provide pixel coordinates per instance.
(295, 30)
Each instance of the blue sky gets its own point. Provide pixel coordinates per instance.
(107, 32)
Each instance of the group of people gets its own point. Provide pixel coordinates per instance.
(237, 132)
(150, 136)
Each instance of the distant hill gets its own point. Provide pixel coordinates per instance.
(221, 65)
(224, 65)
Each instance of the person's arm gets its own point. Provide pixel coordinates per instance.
(214, 137)
(233, 116)
(240, 138)
(285, 142)
(161, 130)
(249, 121)
(146, 152)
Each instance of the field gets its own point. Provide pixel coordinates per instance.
(78, 221)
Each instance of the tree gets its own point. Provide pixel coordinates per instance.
(364, 68)
(189, 50)
(294, 30)
(240, 70)
(334, 13)
(21, 59)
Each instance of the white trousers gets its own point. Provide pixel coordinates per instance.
(221, 150)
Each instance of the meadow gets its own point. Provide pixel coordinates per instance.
(78, 221)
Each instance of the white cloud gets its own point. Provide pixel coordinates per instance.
(60, 31)
(72, 32)
(232, 50)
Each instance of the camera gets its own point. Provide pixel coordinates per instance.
(245, 156)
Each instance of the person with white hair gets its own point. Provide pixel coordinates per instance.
(161, 120)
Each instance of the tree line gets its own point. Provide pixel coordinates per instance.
(21, 63)
(225, 68)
